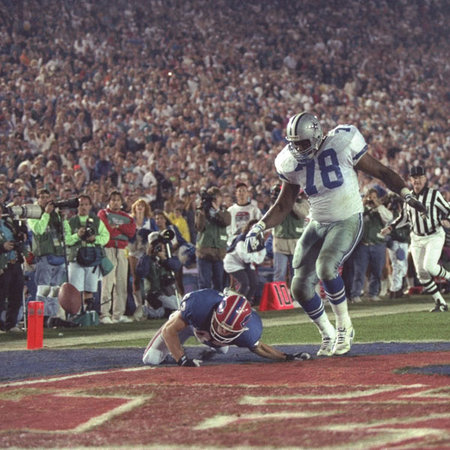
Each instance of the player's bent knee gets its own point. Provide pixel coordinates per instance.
(423, 277)
(222, 350)
(302, 291)
(153, 357)
(326, 271)
(433, 270)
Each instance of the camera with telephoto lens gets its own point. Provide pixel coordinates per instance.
(89, 229)
(22, 212)
(71, 203)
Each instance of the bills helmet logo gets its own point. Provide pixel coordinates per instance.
(230, 318)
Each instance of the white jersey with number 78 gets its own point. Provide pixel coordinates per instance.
(329, 179)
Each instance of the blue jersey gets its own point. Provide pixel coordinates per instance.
(196, 310)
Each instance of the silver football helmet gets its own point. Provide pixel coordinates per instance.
(304, 134)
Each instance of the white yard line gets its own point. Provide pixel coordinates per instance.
(361, 312)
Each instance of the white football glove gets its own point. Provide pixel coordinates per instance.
(252, 239)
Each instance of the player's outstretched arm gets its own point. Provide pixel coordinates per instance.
(267, 351)
(276, 214)
(282, 206)
(391, 179)
(375, 168)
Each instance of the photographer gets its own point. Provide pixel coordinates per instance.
(48, 250)
(12, 238)
(371, 251)
(211, 221)
(85, 235)
(145, 224)
(158, 270)
(176, 242)
(398, 247)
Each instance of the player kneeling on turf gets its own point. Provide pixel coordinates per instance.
(217, 321)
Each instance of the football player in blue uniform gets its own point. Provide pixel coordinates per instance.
(324, 166)
(216, 320)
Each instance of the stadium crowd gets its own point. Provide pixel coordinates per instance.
(160, 99)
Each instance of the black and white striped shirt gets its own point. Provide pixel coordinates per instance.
(438, 210)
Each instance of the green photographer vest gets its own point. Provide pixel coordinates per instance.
(212, 236)
(290, 228)
(51, 241)
(75, 225)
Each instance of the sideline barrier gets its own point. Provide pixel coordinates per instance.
(276, 295)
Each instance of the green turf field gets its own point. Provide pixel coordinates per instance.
(399, 320)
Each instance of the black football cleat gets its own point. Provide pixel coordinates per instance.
(439, 307)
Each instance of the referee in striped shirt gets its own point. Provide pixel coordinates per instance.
(427, 234)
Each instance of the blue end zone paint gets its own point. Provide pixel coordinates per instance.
(24, 364)
(429, 370)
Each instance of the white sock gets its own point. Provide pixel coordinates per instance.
(342, 317)
(438, 299)
(324, 325)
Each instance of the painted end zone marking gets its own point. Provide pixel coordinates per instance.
(75, 412)
(251, 404)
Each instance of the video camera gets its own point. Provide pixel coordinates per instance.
(206, 199)
(211, 213)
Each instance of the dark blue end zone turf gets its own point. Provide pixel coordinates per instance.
(25, 364)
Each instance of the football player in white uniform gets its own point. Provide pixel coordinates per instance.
(324, 167)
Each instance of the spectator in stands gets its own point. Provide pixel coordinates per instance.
(64, 98)
(180, 221)
(189, 208)
(241, 211)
